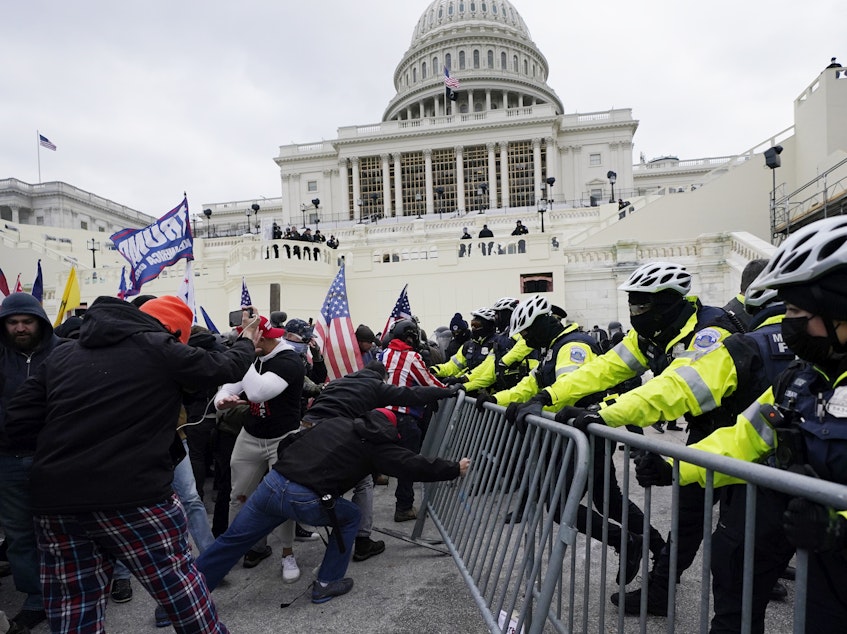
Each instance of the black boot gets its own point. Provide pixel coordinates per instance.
(657, 598)
(633, 558)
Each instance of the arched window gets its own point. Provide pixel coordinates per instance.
(423, 70)
(503, 64)
(448, 61)
(473, 7)
(515, 63)
(435, 68)
(484, 8)
(525, 67)
(461, 7)
(493, 8)
(476, 58)
(461, 60)
(450, 9)
(490, 59)
(414, 75)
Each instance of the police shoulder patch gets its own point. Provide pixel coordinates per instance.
(707, 339)
(577, 355)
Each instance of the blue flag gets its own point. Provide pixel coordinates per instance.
(208, 321)
(156, 246)
(38, 285)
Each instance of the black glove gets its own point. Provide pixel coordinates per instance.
(455, 380)
(516, 413)
(482, 398)
(813, 526)
(454, 389)
(653, 470)
(581, 417)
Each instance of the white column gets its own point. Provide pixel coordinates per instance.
(536, 167)
(343, 204)
(357, 190)
(428, 180)
(504, 175)
(398, 185)
(487, 99)
(386, 186)
(460, 178)
(470, 101)
(492, 176)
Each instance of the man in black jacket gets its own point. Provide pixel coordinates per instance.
(352, 396)
(316, 466)
(99, 415)
(26, 339)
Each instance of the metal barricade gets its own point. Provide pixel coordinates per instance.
(512, 567)
(520, 569)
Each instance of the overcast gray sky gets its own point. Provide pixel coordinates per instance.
(148, 99)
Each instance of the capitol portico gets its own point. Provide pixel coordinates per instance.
(397, 194)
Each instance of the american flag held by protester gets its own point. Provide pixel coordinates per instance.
(334, 331)
(245, 294)
(401, 310)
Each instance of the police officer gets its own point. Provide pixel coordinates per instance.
(669, 330)
(809, 273)
(474, 351)
(729, 377)
(511, 360)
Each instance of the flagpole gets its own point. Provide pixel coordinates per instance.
(38, 151)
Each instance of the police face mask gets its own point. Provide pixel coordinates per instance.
(816, 350)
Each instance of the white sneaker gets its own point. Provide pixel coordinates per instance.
(304, 535)
(290, 571)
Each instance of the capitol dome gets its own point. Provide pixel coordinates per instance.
(488, 49)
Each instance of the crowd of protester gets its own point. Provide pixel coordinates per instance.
(254, 408)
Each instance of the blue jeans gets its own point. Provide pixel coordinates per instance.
(275, 500)
(16, 517)
(185, 487)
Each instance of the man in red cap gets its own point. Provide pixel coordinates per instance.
(272, 388)
(99, 415)
(316, 467)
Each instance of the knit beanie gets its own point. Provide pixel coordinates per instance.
(173, 313)
(390, 415)
(458, 324)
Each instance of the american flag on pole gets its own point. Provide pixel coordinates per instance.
(245, 294)
(18, 286)
(4, 285)
(451, 85)
(334, 331)
(45, 142)
(401, 310)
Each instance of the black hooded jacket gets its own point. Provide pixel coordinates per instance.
(332, 457)
(361, 391)
(100, 412)
(17, 366)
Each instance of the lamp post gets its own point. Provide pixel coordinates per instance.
(208, 214)
(542, 209)
(418, 198)
(482, 191)
(255, 209)
(316, 202)
(773, 161)
(612, 178)
(550, 182)
(374, 197)
(303, 211)
(93, 246)
(360, 202)
(440, 192)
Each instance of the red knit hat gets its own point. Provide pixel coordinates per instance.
(389, 414)
(173, 313)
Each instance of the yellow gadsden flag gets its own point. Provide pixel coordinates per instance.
(70, 298)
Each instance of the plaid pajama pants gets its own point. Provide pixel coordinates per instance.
(78, 552)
